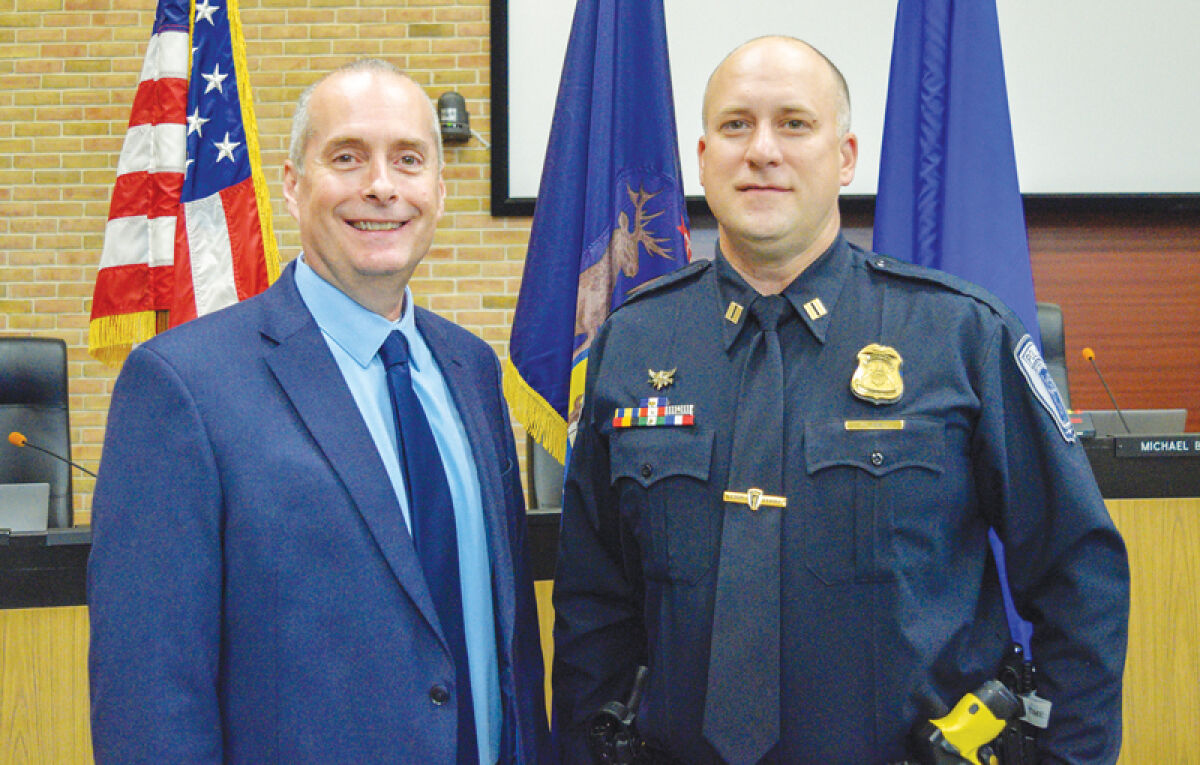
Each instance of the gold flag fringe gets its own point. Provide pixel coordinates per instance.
(261, 194)
(535, 414)
(110, 338)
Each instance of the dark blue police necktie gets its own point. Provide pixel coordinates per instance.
(431, 513)
(741, 710)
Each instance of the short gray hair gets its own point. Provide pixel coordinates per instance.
(843, 94)
(302, 121)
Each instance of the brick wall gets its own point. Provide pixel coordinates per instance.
(68, 72)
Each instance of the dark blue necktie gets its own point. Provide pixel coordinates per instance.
(741, 710)
(431, 513)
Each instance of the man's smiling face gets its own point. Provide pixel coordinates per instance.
(370, 192)
(772, 159)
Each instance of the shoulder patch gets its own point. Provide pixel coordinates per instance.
(678, 275)
(1030, 362)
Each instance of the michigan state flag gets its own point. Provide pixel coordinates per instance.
(610, 210)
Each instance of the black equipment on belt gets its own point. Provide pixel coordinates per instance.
(1017, 744)
(611, 734)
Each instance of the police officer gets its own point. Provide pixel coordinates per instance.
(786, 467)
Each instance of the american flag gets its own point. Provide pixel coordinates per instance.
(189, 225)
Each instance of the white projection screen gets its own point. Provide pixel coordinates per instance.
(1104, 94)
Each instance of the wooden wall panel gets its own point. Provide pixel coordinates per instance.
(44, 686)
(1129, 289)
(543, 590)
(1161, 697)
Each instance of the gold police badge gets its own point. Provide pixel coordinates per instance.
(877, 378)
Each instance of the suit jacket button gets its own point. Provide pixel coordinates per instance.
(439, 695)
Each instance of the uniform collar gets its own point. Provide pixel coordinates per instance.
(813, 294)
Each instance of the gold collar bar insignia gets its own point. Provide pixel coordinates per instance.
(733, 314)
(815, 309)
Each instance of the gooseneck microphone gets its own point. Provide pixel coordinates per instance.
(1090, 355)
(19, 440)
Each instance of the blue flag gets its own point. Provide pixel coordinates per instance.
(948, 195)
(610, 211)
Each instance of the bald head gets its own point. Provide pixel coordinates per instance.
(763, 45)
(775, 154)
(302, 118)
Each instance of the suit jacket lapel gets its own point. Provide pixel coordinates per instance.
(463, 381)
(308, 375)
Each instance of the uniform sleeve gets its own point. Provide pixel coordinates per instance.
(599, 636)
(1066, 562)
(154, 576)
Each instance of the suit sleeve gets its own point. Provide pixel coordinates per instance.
(154, 576)
(1066, 562)
(527, 644)
(599, 633)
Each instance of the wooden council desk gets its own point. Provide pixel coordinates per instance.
(43, 648)
(1154, 501)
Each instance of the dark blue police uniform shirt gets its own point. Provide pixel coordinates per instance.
(890, 603)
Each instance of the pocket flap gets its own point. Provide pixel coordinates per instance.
(920, 443)
(648, 455)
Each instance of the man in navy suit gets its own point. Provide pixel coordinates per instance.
(255, 591)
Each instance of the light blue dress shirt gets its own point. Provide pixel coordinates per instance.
(354, 336)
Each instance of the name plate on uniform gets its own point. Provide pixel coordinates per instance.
(1157, 446)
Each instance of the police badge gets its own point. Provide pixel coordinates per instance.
(877, 378)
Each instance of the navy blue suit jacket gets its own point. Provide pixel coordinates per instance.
(254, 592)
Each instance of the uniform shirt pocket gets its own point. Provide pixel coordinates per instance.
(661, 475)
(861, 481)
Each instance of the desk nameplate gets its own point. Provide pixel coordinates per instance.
(1157, 446)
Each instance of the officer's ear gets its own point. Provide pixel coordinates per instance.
(849, 151)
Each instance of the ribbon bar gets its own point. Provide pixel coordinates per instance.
(652, 412)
